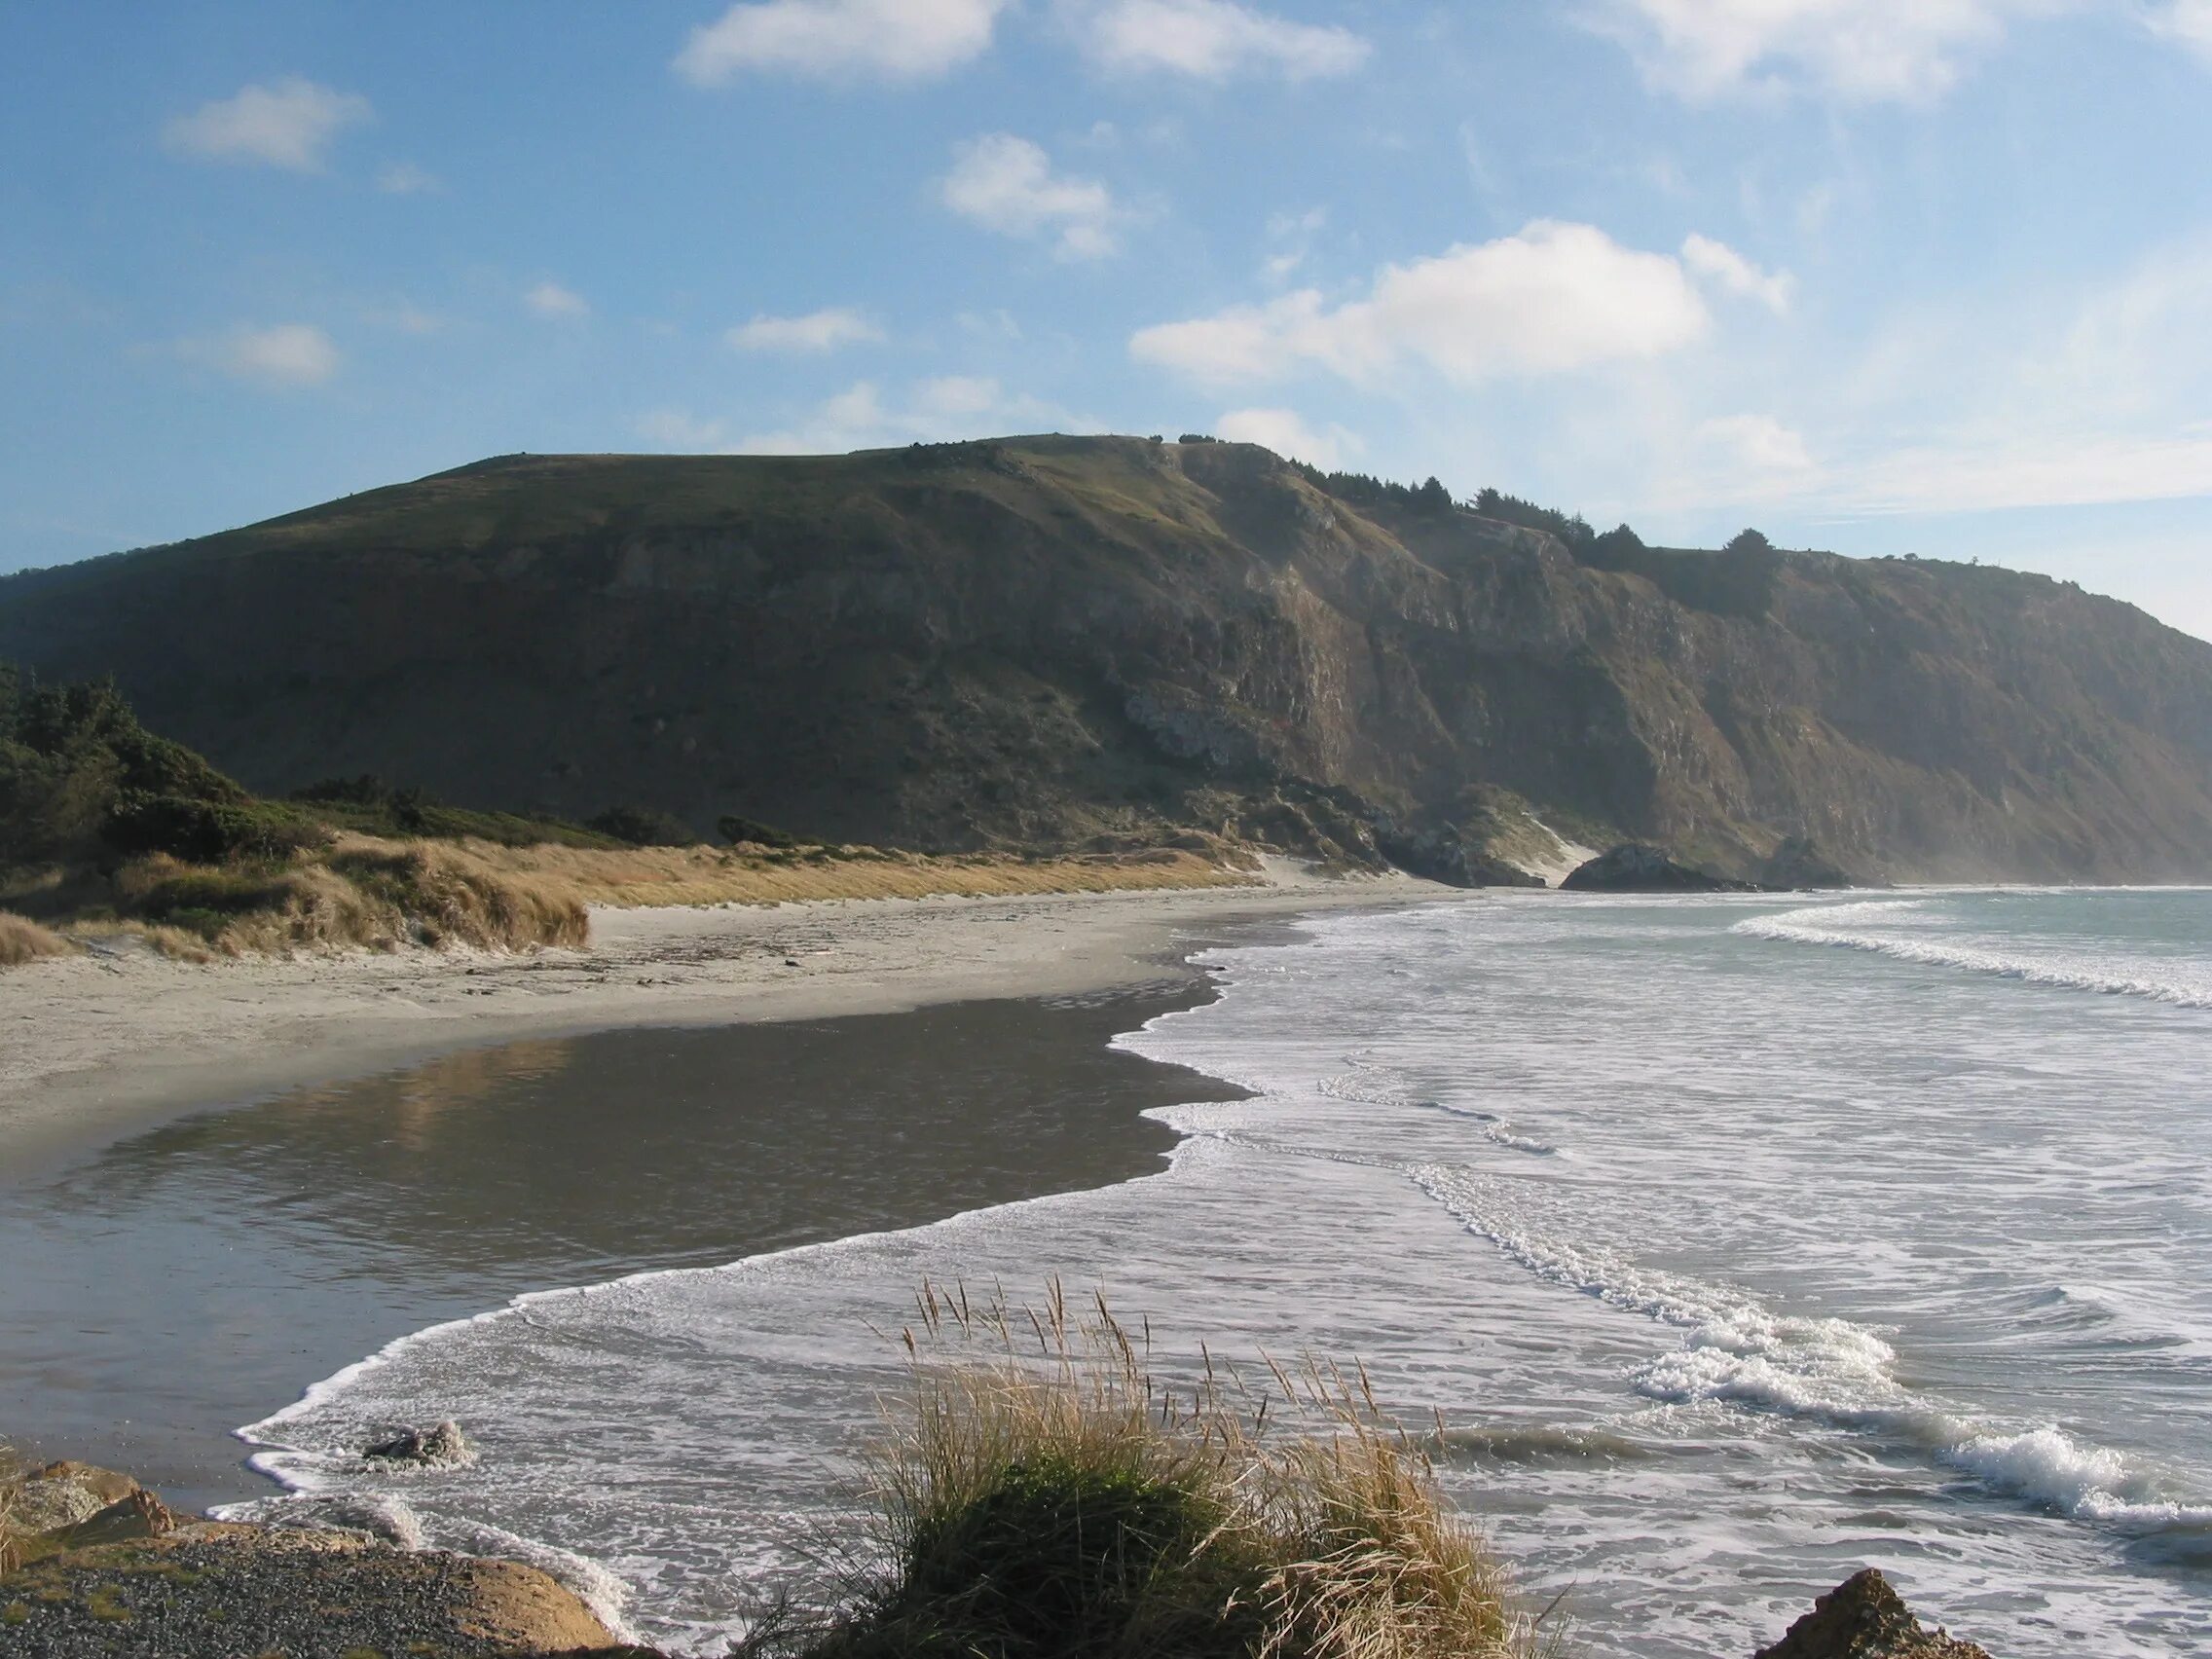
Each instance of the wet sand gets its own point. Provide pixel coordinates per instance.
(98, 1046)
(171, 1285)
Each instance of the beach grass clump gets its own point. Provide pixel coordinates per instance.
(13, 1535)
(1055, 1499)
(23, 940)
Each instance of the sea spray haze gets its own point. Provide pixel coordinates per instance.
(1714, 1297)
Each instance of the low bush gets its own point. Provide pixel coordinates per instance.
(643, 826)
(738, 832)
(23, 940)
(209, 831)
(1074, 1506)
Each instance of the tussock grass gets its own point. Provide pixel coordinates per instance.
(1055, 1499)
(23, 940)
(360, 893)
(639, 876)
(13, 1538)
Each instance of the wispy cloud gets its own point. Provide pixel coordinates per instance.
(1864, 50)
(552, 301)
(283, 355)
(1723, 264)
(818, 331)
(1553, 298)
(1006, 184)
(891, 40)
(2187, 22)
(405, 179)
(1214, 40)
(1286, 432)
(286, 123)
(863, 416)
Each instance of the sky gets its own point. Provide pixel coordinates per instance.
(1883, 276)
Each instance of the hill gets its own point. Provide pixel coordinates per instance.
(1053, 643)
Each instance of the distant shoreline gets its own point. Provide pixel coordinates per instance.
(101, 1045)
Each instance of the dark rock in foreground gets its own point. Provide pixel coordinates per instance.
(441, 1448)
(1634, 867)
(1866, 1619)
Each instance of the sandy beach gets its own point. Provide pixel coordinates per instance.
(226, 1181)
(96, 1044)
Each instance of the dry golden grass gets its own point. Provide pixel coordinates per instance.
(361, 891)
(11, 1537)
(23, 940)
(1053, 1497)
(633, 877)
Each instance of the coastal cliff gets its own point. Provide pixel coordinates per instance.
(1038, 642)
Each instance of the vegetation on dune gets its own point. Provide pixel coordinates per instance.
(23, 940)
(104, 826)
(1057, 1498)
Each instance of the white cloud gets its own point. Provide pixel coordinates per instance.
(283, 355)
(1006, 184)
(1865, 50)
(287, 124)
(818, 331)
(1213, 40)
(891, 40)
(2188, 22)
(1724, 265)
(937, 411)
(1286, 431)
(1758, 442)
(862, 416)
(551, 300)
(679, 429)
(405, 179)
(1554, 298)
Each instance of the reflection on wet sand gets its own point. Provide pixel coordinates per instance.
(195, 1277)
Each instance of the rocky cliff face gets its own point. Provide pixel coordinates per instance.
(1033, 641)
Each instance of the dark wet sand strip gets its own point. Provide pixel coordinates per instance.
(167, 1288)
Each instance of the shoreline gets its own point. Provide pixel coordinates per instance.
(106, 1044)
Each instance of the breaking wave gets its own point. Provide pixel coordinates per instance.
(2105, 976)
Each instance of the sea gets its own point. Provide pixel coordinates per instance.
(1717, 1247)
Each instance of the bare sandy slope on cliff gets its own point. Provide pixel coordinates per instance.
(93, 1044)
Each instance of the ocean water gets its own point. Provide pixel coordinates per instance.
(1733, 1243)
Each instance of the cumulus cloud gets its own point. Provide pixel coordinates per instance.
(405, 179)
(283, 355)
(287, 124)
(818, 331)
(891, 40)
(1213, 40)
(1286, 431)
(1866, 51)
(1006, 184)
(551, 300)
(1553, 298)
(1723, 264)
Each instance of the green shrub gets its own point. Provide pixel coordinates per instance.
(209, 831)
(733, 829)
(643, 826)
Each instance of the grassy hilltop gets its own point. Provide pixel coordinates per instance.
(1028, 644)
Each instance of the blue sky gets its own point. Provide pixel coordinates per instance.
(1881, 275)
